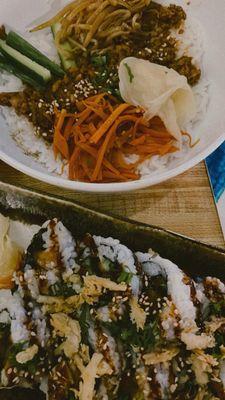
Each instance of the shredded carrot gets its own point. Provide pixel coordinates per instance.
(72, 163)
(68, 128)
(107, 124)
(139, 140)
(191, 145)
(96, 140)
(101, 154)
(60, 144)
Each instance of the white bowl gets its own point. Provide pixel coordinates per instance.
(211, 128)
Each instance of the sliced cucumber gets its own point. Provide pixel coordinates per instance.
(65, 47)
(6, 66)
(27, 66)
(25, 48)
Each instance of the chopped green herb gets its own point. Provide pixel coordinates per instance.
(125, 277)
(71, 396)
(220, 343)
(83, 320)
(91, 264)
(31, 366)
(99, 61)
(126, 331)
(130, 73)
(61, 289)
(14, 350)
(217, 309)
(106, 265)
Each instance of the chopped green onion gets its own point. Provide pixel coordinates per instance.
(125, 277)
(130, 73)
(99, 61)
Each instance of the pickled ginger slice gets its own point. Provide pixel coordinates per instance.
(160, 91)
(10, 255)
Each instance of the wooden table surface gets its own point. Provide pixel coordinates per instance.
(184, 204)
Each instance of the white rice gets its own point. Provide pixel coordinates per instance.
(24, 135)
(115, 251)
(180, 292)
(111, 346)
(39, 320)
(13, 303)
(191, 43)
(115, 358)
(44, 386)
(4, 317)
(162, 377)
(168, 321)
(103, 314)
(32, 281)
(66, 247)
(51, 277)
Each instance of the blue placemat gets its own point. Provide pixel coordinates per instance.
(216, 170)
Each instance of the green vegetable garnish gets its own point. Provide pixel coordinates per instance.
(99, 61)
(217, 309)
(124, 330)
(83, 320)
(130, 73)
(125, 277)
(62, 289)
(71, 396)
(24, 47)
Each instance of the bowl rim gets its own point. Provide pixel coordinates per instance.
(114, 187)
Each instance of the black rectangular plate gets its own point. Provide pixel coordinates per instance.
(196, 258)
